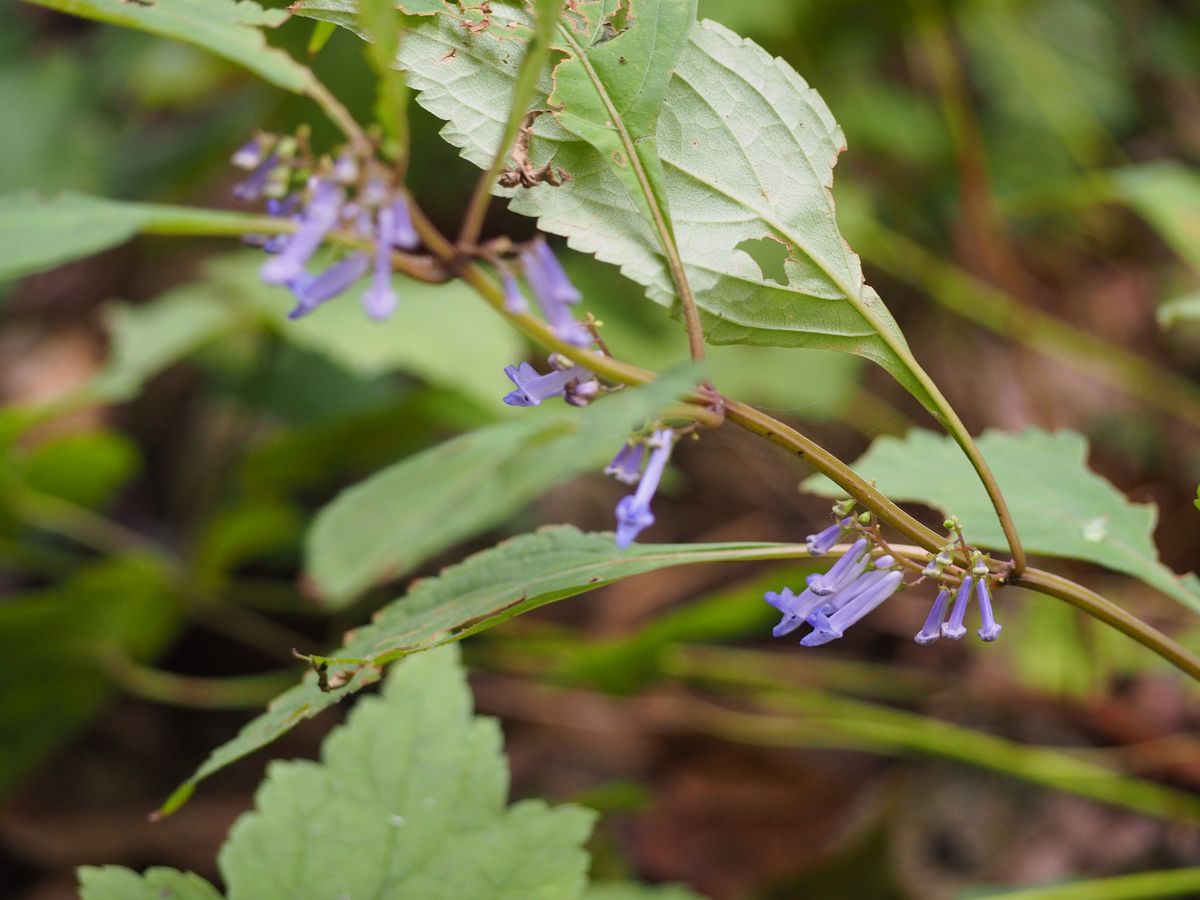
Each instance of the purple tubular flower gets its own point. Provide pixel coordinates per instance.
(514, 300)
(626, 466)
(249, 155)
(954, 629)
(932, 630)
(820, 543)
(345, 169)
(990, 629)
(252, 186)
(554, 292)
(532, 388)
(843, 572)
(311, 291)
(826, 629)
(320, 215)
(405, 235)
(796, 609)
(380, 300)
(633, 512)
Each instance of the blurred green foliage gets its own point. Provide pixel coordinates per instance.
(215, 430)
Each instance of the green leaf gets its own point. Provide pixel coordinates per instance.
(38, 233)
(119, 883)
(148, 338)
(85, 468)
(51, 642)
(429, 319)
(747, 149)
(484, 590)
(1061, 508)
(1167, 195)
(610, 94)
(388, 524)
(381, 21)
(407, 801)
(225, 27)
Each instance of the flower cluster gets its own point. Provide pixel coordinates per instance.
(356, 196)
(865, 576)
(633, 511)
(640, 461)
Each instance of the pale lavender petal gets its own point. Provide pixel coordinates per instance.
(380, 300)
(932, 630)
(633, 512)
(626, 466)
(320, 215)
(991, 629)
(312, 291)
(820, 543)
(954, 629)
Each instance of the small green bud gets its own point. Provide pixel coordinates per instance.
(864, 518)
(952, 524)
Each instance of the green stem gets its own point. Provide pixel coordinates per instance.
(534, 61)
(1001, 313)
(80, 524)
(658, 218)
(828, 720)
(1110, 614)
(1141, 886)
(238, 692)
(759, 422)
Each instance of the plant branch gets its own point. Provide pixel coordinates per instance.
(532, 64)
(235, 692)
(782, 435)
(662, 226)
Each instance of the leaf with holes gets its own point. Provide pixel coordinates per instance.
(747, 151)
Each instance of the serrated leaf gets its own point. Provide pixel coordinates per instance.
(747, 149)
(39, 233)
(407, 801)
(119, 883)
(1061, 508)
(610, 93)
(388, 524)
(478, 593)
(225, 27)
